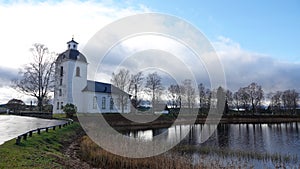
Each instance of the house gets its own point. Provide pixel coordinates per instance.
(72, 86)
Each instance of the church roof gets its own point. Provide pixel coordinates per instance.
(72, 41)
(100, 87)
(71, 54)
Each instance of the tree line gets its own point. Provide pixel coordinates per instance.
(249, 99)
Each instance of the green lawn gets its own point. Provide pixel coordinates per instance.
(39, 151)
(59, 116)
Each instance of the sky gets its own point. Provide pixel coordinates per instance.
(256, 41)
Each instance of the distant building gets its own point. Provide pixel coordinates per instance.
(72, 86)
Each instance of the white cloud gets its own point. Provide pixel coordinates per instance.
(243, 67)
(53, 24)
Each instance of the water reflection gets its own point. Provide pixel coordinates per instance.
(264, 138)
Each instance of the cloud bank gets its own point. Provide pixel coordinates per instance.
(243, 67)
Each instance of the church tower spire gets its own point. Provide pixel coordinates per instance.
(72, 44)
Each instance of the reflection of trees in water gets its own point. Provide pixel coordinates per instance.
(223, 135)
(163, 131)
(264, 138)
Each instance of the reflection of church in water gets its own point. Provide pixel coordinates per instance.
(72, 86)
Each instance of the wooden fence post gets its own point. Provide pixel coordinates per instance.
(30, 133)
(47, 129)
(18, 140)
(25, 136)
(39, 131)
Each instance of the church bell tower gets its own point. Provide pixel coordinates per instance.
(70, 78)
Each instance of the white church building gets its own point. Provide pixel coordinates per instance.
(72, 86)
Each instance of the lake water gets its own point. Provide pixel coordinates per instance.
(13, 126)
(283, 139)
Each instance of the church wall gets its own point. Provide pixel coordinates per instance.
(72, 85)
(91, 107)
(76, 84)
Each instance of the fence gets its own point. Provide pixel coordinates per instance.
(38, 130)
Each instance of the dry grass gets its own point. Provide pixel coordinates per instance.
(98, 157)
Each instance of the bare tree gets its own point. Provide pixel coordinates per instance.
(201, 90)
(175, 95)
(37, 78)
(154, 87)
(237, 99)
(136, 82)
(290, 99)
(275, 99)
(121, 80)
(229, 98)
(256, 95)
(245, 97)
(208, 96)
(135, 85)
(189, 93)
(228, 101)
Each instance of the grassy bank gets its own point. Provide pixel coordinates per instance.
(39, 151)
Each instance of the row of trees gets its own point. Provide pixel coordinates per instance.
(284, 100)
(248, 99)
(134, 84)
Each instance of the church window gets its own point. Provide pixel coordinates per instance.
(57, 106)
(60, 81)
(111, 105)
(60, 92)
(61, 105)
(61, 71)
(77, 71)
(95, 102)
(103, 103)
(74, 46)
(125, 105)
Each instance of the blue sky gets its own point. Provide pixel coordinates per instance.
(269, 27)
(257, 41)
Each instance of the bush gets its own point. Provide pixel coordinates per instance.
(70, 109)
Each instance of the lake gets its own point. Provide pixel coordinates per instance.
(13, 126)
(269, 140)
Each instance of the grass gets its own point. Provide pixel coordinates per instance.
(59, 116)
(38, 151)
(98, 157)
(181, 157)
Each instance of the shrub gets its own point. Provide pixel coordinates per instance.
(70, 109)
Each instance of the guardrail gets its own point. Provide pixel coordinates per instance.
(38, 131)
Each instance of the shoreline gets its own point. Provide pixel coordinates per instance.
(119, 122)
